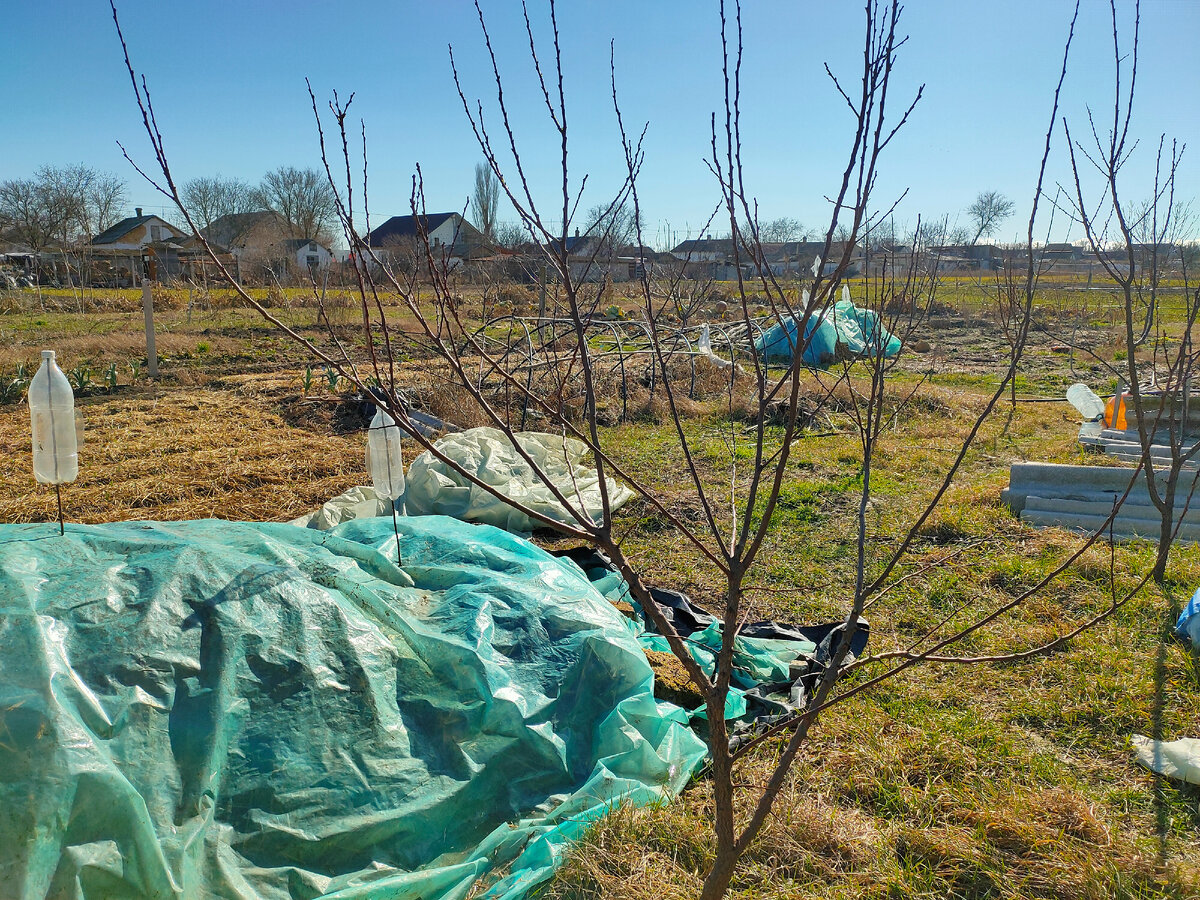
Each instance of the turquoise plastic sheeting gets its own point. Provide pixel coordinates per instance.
(858, 330)
(220, 709)
(756, 661)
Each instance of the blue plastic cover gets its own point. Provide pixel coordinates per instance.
(221, 709)
(1187, 627)
(858, 331)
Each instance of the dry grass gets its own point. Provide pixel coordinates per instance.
(183, 452)
(922, 828)
(1009, 781)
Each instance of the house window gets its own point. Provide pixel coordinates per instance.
(313, 260)
(156, 232)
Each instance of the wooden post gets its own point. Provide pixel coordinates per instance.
(148, 309)
(542, 295)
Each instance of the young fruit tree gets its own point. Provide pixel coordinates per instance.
(766, 400)
(1138, 246)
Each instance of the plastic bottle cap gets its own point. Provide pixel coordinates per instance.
(47, 354)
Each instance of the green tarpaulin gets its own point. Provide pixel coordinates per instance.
(218, 709)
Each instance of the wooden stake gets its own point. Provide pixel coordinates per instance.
(148, 309)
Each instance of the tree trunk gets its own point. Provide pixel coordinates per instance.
(716, 883)
(1160, 562)
(1166, 531)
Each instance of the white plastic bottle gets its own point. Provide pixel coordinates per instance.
(385, 458)
(1084, 399)
(52, 412)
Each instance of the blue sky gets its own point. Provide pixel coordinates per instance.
(228, 76)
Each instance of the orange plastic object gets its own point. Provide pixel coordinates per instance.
(1116, 419)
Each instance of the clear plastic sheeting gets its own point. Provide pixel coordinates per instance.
(436, 489)
(220, 709)
(360, 502)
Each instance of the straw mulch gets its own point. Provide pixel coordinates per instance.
(238, 451)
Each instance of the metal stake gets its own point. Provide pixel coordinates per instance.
(396, 530)
(58, 494)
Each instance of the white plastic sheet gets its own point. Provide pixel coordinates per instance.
(357, 503)
(434, 488)
(1176, 759)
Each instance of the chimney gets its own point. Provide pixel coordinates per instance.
(138, 210)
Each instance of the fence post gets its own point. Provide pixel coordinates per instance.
(148, 309)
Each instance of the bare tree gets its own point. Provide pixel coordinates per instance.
(485, 200)
(89, 201)
(28, 214)
(303, 200)
(987, 212)
(612, 226)
(208, 198)
(782, 230)
(61, 207)
(61, 203)
(105, 200)
(729, 534)
(959, 236)
(1132, 243)
(67, 190)
(510, 235)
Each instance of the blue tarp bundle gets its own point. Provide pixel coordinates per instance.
(858, 331)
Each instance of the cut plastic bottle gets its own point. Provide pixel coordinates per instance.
(52, 416)
(385, 458)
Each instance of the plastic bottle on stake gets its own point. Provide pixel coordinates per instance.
(385, 459)
(52, 414)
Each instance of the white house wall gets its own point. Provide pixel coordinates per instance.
(445, 233)
(324, 257)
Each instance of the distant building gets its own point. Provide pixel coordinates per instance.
(137, 247)
(243, 232)
(779, 257)
(704, 250)
(308, 255)
(262, 244)
(136, 232)
(449, 235)
(967, 256)
(1061, 252)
